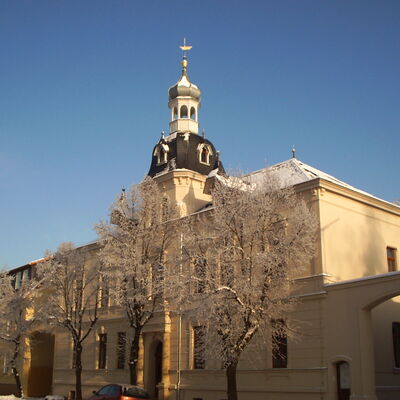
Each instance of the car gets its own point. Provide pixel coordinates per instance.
(120, 392)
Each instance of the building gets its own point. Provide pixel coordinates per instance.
(350, 344)
(36, 353)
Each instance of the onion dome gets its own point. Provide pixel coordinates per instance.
(184, 88)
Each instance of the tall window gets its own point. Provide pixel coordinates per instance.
(391, 258)
(200, 273)
(396, 343)
(161, 152)
(193, 113)
(199, 336)
(205, 155)
(27, 274)
(104, 293)
(5, 366)
(121, 350)
(18, 280)
(279, 350)
(102, 350)
(184, 112)
(73, 364)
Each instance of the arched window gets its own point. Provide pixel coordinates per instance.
(204, 152)
(343, 380)
(161, 152)
(205, 155)
(193, 113)
(184, 112)
(162, 157)
(175, 113)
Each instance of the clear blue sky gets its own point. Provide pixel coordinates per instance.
(83, 98)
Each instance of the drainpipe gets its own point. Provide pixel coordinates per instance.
(178, 382)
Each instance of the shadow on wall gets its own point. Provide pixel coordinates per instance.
(41, 364)
(374, 252)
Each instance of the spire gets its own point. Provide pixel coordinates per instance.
(119, 208)
(122, 199)
(184, 100)
(184, 48)
(293, 152)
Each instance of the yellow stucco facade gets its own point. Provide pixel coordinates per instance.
(347, 306)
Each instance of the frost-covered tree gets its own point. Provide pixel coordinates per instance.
(133, 252)
(72, 284)
(19, 312)
(244, 254)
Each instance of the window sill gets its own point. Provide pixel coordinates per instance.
(204, 163)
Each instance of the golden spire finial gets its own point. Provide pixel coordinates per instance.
(185, 48)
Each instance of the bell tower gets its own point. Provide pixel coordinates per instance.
(183, 159)
(184, 100)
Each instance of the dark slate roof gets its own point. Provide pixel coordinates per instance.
(183, 154)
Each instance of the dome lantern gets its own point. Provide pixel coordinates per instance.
(184, 100)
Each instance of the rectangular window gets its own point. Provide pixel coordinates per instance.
(18, 280)
(200, 274)
(73, 356)
(157, 281)
(104, 294)
(5, 366)
(102, 350)
(26, 275)
(279, 350)
(391, 258)
(199, 336)
(121, 350)
(396, 343)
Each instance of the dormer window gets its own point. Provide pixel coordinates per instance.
(161, 152)
(204, 152)
(205, 156)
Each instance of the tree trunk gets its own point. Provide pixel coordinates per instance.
(134, 356)
(78, 371)
(14, 368)
(231, 381)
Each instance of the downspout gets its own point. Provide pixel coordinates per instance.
(178, 382)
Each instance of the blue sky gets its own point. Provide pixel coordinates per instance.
(83, 98)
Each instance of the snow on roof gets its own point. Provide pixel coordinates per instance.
(294, 171)
(170, 137)
(40, 260)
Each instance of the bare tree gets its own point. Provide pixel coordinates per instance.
(18, 314)
(134, 254)
(244, 253)
(72, 284)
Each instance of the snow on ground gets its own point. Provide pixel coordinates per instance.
(50, 397)
(12, 397)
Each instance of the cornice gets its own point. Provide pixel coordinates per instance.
(180, 173)
(320, 183)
